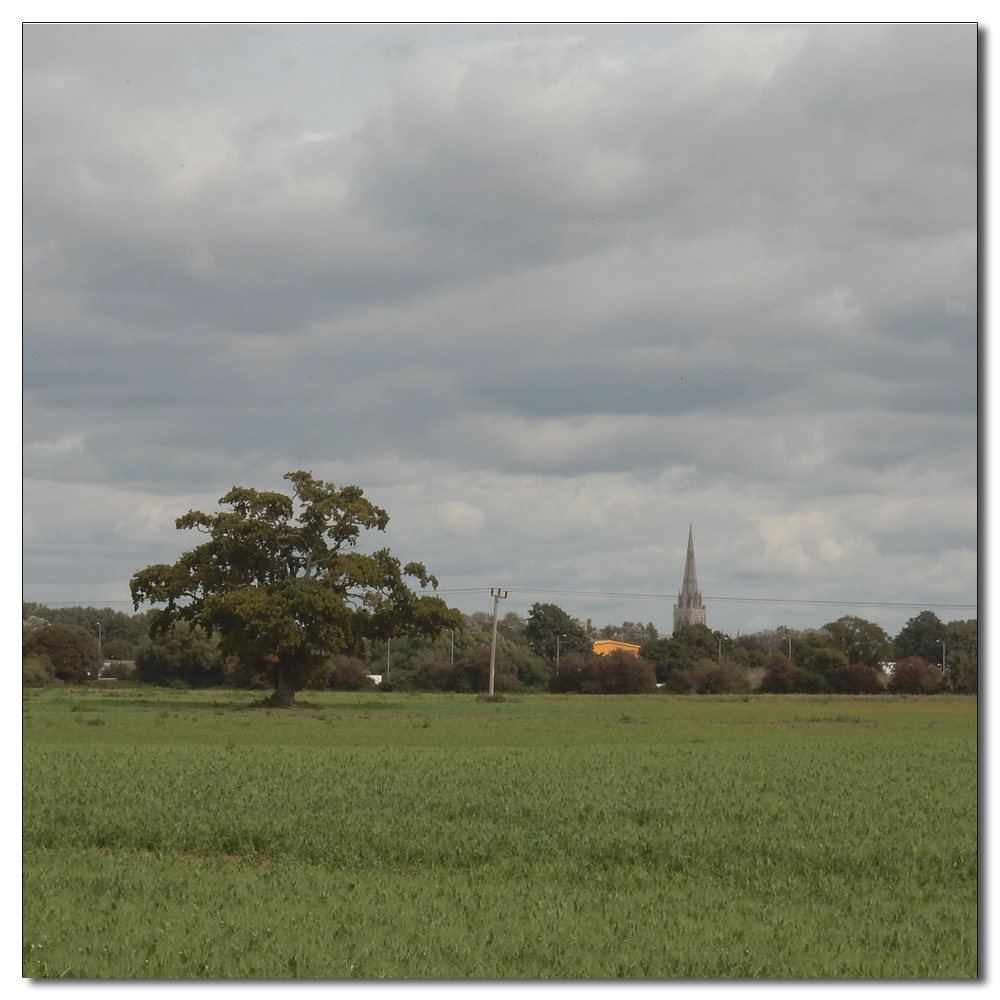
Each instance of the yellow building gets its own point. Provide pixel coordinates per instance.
(605, 646)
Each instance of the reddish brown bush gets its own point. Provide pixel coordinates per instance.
(914, 676)
(472, 673)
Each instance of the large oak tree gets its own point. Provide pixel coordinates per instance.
(279, 579)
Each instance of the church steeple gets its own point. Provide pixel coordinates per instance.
(689, 609)
(690, 585)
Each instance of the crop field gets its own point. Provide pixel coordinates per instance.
(187, 834)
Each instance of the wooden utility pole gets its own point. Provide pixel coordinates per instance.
(498, 596)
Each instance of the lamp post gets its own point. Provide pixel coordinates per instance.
(561, 635)
(100, 657)
(498, 596)
(944, 652)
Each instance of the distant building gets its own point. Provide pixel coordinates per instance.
(689, 610)
(603, 647)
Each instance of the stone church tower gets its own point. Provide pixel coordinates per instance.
(689, 610)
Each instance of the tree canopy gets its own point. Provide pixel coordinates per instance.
(862, 641)
(70, 651)
(281, 582)
(546, 624)
(921, 636)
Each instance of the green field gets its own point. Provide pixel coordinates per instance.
(185, 834)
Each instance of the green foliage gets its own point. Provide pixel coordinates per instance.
(36, 672)
(550, 627)
(683, 649)
(921, 636)
(121, 634)
(862, 641)
(709, 677)
(633, 632)
(962, 674)
(826, 661)
(70, 651)
(281, 583)
(184, 652)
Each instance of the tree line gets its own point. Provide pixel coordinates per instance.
(548, 650)
(279, 596)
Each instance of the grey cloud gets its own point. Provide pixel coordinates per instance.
(743, 257)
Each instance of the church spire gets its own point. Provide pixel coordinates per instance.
(689, 609)
(690, 585)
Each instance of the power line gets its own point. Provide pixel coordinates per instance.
(609, 593)
(743, 600)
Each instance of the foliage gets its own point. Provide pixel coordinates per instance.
(748, 655)
(962, 673)
(857, 678)
(921, 636)
(633, 632)
(36, 672)
(121, 633)
(617, 673)
(862, 641)
(913, 676)
(281, 583)
(710, 677)
(348, 673)
(184, 653)
(622, 673)
(71, 651)
(472, 672)
(422, 664)
(550, 629)
(688, 644)
(826, 660)
(512, 623)
(784, 677)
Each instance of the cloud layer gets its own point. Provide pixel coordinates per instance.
(549, 298)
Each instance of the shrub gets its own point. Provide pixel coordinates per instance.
(183, 653)
(856, 678)
(779, 675)
(435, 672)
(784, 677)
(913, 676)
(71, 651)
(827, 661)
(36, 672)
(622, 673)
(709, 677)
(572, 674)
(809, 682)
(618, 673)
(472, 672)
(346, 673)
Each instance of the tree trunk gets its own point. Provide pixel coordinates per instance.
(284, 693)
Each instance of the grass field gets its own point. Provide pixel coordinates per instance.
(185, 834)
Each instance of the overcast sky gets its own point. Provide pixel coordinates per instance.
(548, 294)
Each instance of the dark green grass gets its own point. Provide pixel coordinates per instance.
(436, 836)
